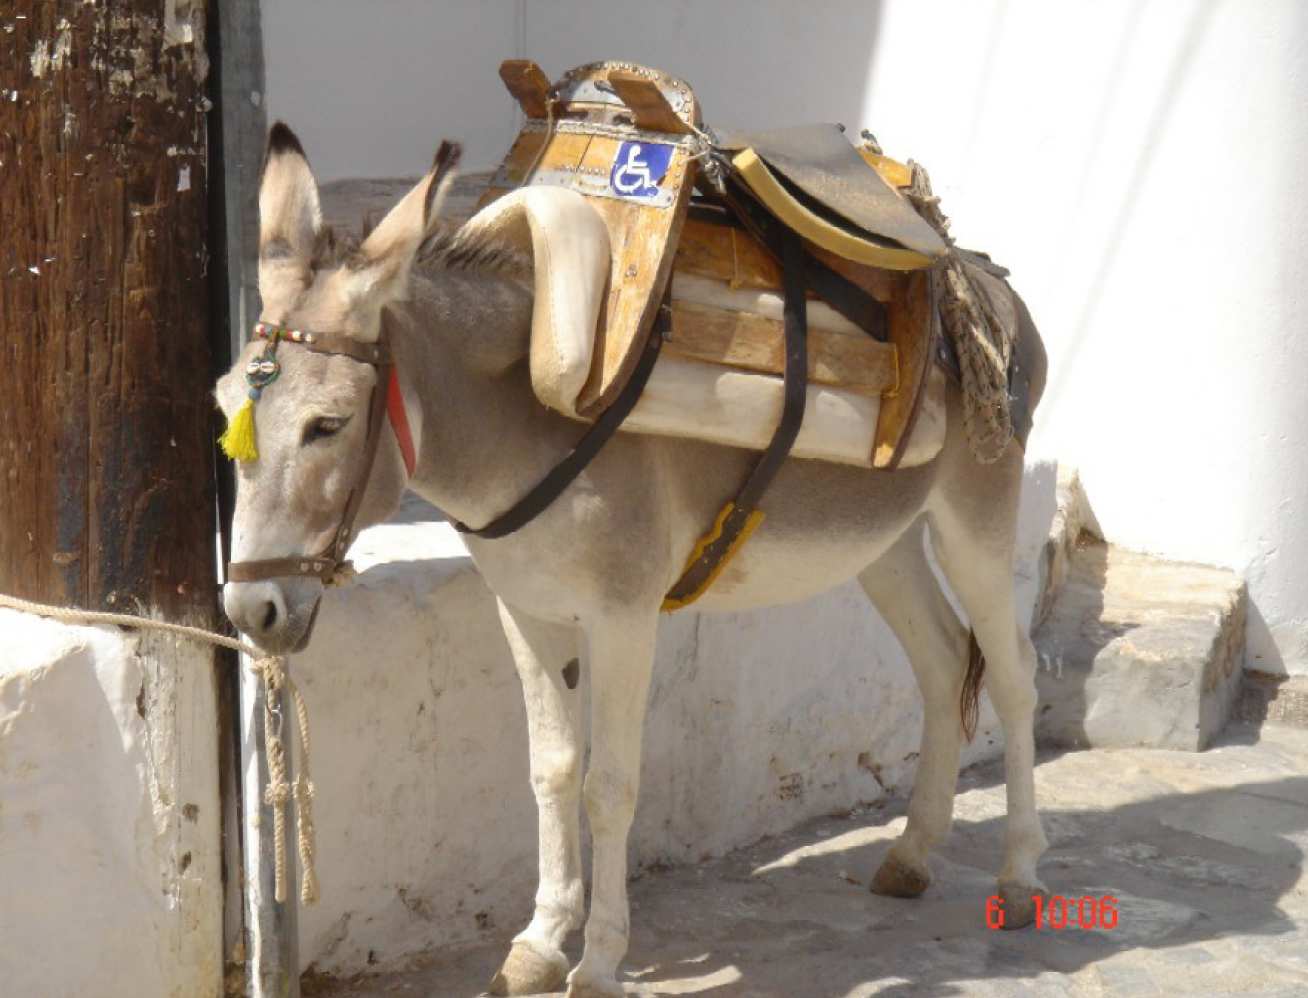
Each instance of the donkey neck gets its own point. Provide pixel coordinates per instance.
(462, 342)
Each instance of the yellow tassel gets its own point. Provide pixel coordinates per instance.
(237, 440)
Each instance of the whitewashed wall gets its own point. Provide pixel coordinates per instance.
(1138, 165)
(110, 879)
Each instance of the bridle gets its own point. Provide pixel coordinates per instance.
(385, 400)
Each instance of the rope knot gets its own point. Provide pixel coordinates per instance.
(272, 668)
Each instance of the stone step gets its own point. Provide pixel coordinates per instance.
(1268, 699)
(1138, 651)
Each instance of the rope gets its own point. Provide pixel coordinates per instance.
(272, 670)
(983, 345)
(545, 139)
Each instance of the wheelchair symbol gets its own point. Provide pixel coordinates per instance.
(638, 168)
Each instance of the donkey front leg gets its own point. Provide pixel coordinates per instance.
(546, 656)
(620, 659)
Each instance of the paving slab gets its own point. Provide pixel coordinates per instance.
(1203, 853)
(1136, 650)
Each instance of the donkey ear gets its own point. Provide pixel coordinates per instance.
(386, 256)
(289, 212)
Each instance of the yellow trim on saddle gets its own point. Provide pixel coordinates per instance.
(815, 229)
(892, 171)
(751, 524)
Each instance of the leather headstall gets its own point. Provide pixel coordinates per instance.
(385, 399)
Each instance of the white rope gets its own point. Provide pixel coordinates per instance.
(272, 670)
(545, 139)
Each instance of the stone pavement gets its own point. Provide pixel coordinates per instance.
(1203, 852)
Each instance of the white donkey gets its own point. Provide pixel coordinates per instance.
(588, 575)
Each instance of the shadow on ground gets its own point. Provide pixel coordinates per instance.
(1204, 853)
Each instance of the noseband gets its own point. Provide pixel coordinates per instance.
(262, 371)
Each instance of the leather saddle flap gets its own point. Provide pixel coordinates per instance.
(818, 184)
(623, 137)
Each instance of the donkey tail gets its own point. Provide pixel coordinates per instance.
(969, 702)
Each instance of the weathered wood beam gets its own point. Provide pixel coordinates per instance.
(106, 423)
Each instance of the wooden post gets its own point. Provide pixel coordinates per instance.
(106, 418)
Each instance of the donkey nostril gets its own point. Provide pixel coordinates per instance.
(269, 615)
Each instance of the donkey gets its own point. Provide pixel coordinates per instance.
(586, 578)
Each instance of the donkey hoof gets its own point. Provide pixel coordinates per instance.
(593, 988)
(591, 991)
(529, 969)
(1020, 903)
(896, 879)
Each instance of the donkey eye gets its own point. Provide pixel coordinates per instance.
(322, 427)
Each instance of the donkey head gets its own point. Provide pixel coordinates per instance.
(304, 454)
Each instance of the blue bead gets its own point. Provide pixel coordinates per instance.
(255, 392)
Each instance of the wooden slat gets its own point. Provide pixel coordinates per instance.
(728, 254)
(753, 343)
(740, 409)
(528, 84)
(647, 104)
(909, 327)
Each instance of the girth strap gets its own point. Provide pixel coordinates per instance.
(741, 516)
(566, 471)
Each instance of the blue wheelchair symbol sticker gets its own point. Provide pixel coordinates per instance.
(638, 168)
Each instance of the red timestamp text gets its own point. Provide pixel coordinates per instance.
(1058, 912)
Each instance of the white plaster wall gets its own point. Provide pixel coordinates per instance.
(372, 88)
(1138, 165)
(110, 880)
(425, 817)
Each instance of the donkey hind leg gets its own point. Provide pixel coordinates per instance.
(621, 657)
(546, 657)
(976, 553)
(905, 591)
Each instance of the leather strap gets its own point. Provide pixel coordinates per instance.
(741, 514)
(566, 471)
(832, 287)
(324, 564)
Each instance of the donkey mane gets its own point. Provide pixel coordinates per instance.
(450, 247)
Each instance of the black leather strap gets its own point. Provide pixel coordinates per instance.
(835, 289)
(698, 574)
(566, 471)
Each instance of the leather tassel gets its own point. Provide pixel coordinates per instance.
(237, 440)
